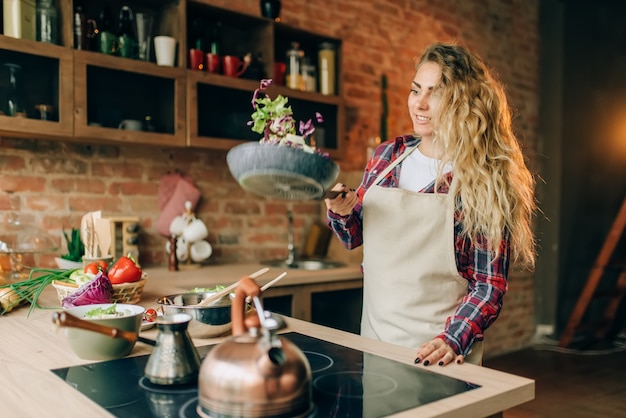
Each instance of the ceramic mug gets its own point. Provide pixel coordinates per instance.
(280, 68)
(196, 59)
(234, 66)
(131, 125)
(177, 226)
(213, 63)
(196, 230)
(200, 251)
(165, 50)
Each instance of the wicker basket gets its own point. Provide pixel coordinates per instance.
(122, 293)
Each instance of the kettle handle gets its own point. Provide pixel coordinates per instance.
(246, 287)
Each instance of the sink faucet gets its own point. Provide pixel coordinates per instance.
(291, 248)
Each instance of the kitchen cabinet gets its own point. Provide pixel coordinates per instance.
(337, 305)
(93, 92)
(121, 89)
(44, 76)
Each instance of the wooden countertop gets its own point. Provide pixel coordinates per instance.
(30, 347)
(209, 276)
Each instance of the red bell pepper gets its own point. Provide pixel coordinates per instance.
(124, 270)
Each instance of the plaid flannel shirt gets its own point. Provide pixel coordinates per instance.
(487, 279)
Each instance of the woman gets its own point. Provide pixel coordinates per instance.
(440, 213)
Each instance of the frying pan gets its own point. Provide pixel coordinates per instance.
(281, 172)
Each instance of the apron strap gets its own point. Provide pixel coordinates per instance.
(397, 161)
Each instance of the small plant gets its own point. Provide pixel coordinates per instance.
(75, 246)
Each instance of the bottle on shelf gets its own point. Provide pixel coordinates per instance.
(295, 58)
(107, 42)
(47, 22)
(326, 56)
(126, 41)
(215, 41)
(85, 30)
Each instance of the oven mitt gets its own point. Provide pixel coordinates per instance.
(167, 187)
(184, 191)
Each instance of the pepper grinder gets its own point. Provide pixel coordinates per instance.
(173, 259)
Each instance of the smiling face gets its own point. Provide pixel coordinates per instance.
(424, 101)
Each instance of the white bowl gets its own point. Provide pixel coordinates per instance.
(67, 264)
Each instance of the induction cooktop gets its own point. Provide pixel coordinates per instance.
(346, 383)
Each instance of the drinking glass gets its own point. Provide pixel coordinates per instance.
(144, 22)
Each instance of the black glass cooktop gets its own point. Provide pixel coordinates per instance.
(346, 383)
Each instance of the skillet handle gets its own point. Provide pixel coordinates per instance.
(64, 319)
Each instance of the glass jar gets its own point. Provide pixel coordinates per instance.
(47, 22)
(295, 58)
(13, 105)
(309, 78)
(326, 55)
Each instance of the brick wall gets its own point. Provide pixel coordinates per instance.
(52, 184)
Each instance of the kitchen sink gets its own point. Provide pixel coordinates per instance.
(304, 264)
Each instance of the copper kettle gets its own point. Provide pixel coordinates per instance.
(254, 373)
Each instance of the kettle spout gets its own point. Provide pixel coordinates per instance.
(271, 364)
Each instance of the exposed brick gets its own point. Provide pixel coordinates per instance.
(9, 163)
(10, 183)
(55, 182)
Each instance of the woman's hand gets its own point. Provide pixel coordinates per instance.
(437, 351)
(344, 202)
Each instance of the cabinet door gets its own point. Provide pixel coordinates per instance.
(128, 101)
(43, 78)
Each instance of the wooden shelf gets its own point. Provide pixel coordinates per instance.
(46, 77)
(93, 92)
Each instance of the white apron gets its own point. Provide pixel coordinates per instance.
(410, 283)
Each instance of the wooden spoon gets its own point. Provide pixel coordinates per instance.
(269, 284)
(217, 296)
(103, 234)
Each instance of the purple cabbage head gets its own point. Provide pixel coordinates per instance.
(99, 290)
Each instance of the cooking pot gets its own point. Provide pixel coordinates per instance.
(254, 373)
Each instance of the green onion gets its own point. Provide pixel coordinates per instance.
(30, 289)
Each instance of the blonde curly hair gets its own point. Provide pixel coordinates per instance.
(490, 177)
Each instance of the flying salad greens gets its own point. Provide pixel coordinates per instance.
(274, 120)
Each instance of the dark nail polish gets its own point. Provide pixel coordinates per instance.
(343, 195)
(441, 363)
(426, 363)
(417, 360)
(458, 362)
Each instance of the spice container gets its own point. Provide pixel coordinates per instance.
(19, 18)
(326, 56)
(295, 57)
(47, 22)
(309, 79)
